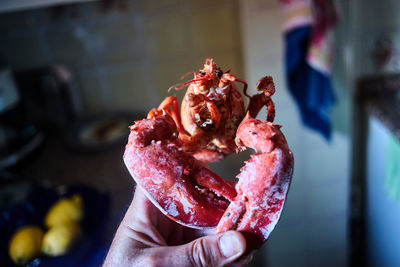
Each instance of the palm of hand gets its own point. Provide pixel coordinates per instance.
(160, 230)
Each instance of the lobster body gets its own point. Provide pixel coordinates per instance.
(166, 155)
(216, 131)
(211, 111)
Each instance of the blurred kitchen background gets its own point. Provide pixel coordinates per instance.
(84, 67)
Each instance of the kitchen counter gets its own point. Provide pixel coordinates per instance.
(56, 164)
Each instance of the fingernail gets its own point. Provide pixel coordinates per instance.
(230, 245)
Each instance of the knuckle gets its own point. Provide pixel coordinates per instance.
(153, 261)
(198, 254)
(144, 257)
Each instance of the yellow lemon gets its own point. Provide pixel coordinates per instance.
(65, 210)
(60, 238)
(25, 244)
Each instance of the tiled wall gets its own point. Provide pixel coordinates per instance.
(125, 58)
(313, 227)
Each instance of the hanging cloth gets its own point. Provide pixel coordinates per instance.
(308, 54)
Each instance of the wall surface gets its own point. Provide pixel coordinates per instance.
(376, 37)
(125, 57)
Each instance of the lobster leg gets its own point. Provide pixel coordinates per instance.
(266, 85)
(169, 106)
(227, 77)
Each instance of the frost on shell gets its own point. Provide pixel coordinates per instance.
(171, 209)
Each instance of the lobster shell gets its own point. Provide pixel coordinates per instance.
(165, 155)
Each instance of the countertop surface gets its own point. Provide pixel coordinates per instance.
(56, 164)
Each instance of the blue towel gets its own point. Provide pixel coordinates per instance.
(310, 88)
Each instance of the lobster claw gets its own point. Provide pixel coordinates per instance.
(180, 186)
(263, 182)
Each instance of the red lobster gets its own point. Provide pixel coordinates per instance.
(165, 155)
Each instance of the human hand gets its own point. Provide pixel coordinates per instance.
(146, 237)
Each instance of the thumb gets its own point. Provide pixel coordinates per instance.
(213, 250)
